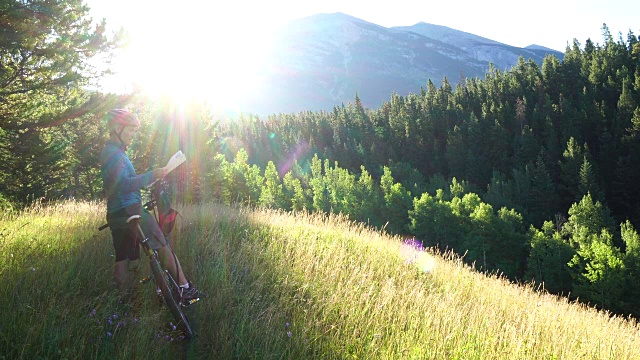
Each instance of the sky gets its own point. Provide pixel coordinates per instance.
(163, 33)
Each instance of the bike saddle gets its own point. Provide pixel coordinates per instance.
(133, 217)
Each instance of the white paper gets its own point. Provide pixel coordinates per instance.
(177, 159)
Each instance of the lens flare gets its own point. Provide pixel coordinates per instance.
(413, 252)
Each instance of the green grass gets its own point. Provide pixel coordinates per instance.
(281, 287)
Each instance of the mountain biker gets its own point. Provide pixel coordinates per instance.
(122, 187)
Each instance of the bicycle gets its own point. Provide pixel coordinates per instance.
(163, 279)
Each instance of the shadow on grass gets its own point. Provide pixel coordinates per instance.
(244, 316)
(60, 301)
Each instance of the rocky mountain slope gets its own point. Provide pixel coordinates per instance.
(323, 60)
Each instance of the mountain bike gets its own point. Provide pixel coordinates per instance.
(166, 284)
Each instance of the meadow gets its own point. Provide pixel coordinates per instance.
(281, 286)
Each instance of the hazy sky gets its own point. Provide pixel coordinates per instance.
(544, 22)
(233, 35)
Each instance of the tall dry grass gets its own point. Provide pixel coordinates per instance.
(280, 286)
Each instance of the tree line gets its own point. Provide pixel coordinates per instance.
(530, 171)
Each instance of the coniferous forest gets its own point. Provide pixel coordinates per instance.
(532, 172)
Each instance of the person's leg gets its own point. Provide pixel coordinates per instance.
(172, 264)
(121, 244)
(121, 274)
(159, 242)
(187, 290)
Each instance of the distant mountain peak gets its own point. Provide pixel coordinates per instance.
(445, 33)
(539, 47)
(323, 60)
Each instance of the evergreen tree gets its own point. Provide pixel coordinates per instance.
(318, 187)
(398, 202)
(216, 179)
(243, 181)
(272, 195)
(477, 241)
(433, 221)
(598, 270)
(573, 158)
(586, 219)
(500, 191)
(631, 262)
(542, 203)
(294, 192)
(549, 258)
(368, 199)
(587, 183)
(45, 63)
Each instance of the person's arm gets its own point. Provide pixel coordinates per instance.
(118, 178)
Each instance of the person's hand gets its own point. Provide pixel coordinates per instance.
(160, 172)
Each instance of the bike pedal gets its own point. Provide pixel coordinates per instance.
(190, 302)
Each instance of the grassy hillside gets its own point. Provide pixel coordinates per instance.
(281, 286)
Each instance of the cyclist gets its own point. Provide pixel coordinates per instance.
(122, 187)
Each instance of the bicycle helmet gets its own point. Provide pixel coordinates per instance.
(122, 117)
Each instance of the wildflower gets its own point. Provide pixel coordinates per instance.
(109, 334)
(289, 333)
(287, 325)
(135, 320)
(92, 313)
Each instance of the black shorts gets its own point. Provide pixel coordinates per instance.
(126, 241)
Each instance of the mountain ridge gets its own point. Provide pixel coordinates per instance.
(323, 60)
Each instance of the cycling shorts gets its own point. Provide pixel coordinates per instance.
(126, 241)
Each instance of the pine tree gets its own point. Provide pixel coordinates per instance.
(573, 158)
(586, 219)
(433, 221)
(45, 63)
(631, 261)
(598, 270)
(398, 202)
(587, 183)
(369, 198)
(318, 186)
(272, 195)
(548, 259)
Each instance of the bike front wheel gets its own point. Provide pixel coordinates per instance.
(170, 296)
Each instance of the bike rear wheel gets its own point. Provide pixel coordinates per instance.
(170, 296)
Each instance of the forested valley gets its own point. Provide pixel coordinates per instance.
(531, 172)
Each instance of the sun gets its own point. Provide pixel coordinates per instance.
(194, 52)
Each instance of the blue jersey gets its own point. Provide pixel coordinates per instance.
(119, 179)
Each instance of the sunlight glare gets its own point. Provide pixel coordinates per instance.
(196, 53)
